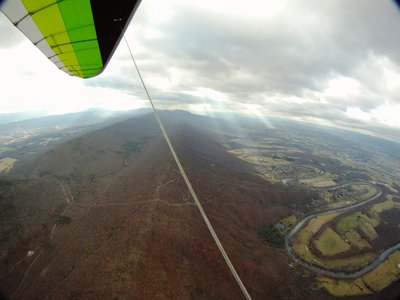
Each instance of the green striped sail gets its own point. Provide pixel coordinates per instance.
(78, 36)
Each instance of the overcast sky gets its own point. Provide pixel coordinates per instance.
(331, 62)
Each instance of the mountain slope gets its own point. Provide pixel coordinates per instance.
(134, 230)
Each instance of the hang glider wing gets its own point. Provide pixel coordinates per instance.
(78, 36)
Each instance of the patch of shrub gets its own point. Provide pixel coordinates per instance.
(271, 234)
(134, 146)
(5, 184)
(63, 220)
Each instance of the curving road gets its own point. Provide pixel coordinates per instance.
(331, 273)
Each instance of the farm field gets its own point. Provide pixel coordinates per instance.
(344, 241)
(320, 181)
(331, 243)
(384, 275)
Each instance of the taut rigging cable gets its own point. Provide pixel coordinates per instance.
(189, 185)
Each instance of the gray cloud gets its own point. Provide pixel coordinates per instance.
(288, 54)
(122, 81)
(294, 54)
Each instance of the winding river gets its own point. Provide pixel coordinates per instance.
(337, 274)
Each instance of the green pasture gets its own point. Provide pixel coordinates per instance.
(331, 243)
(352, 221)
(355, 239)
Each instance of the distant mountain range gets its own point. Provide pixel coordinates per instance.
(23, 121)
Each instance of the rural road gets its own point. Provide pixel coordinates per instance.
(331, 273)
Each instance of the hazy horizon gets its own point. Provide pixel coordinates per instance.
(333, 63)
